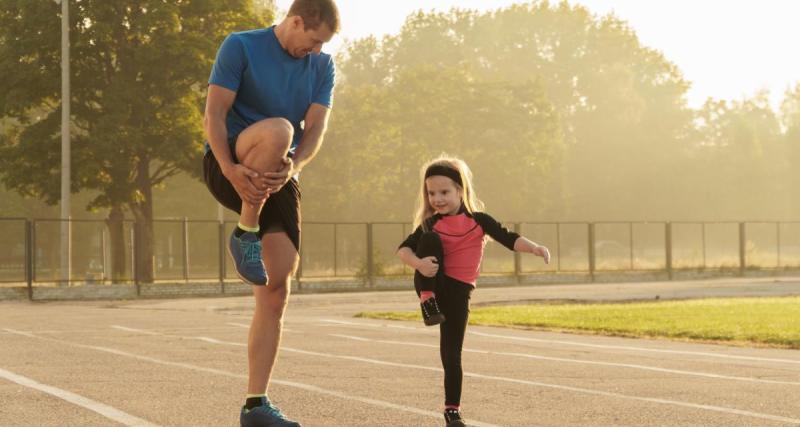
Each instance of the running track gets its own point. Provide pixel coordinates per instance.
(183, 362)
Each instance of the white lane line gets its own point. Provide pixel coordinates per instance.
(380, 325)
(99, 329)
(242, 325)
(581, 344)
(92, 405)
(350, 337)
(140, 331)
(653, 350)
(216, 341)
(23, 333)
(308, 387)
(579, 361)
(375, 402)
(147, 332)
(714, 408)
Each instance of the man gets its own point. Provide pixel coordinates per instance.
(269, 98)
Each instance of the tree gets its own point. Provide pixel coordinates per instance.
(740, 159)
(138, 82)
(380, 135)
(790, 118)
(620, 108)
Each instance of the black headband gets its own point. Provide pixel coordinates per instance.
(444, 171)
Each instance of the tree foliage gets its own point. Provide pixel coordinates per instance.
(138, 73)
(553, 106)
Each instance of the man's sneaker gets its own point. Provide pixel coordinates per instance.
(266, 415)
(246, 253)
(430, 312)
(452, 418)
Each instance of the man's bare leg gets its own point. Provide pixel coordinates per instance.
(281, 259)
(261, 147)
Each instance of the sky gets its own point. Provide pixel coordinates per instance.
(727, 49)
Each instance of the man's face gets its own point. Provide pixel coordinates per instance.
(302, 41)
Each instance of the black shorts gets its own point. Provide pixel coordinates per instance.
(281, 212)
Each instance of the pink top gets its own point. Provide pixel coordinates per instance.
(462, 237)
(463, 242)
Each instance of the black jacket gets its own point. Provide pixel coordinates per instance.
(489, 225)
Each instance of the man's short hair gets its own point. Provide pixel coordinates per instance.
(315, 12)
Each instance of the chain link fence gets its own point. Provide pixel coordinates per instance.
(191, 251)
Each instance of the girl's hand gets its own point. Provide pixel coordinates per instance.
(428, 266)
(543, 252)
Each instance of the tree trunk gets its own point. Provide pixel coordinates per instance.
(143, 212)
(116, 233)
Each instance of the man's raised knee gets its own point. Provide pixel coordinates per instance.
(275, 129)
(277, 132)
(269, 137)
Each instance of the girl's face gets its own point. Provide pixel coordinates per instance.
(444, 195)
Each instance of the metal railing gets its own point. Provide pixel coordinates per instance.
(194, 250)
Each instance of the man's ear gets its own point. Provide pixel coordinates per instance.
(298, 23)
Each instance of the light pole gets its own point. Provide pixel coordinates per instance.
(66, 235)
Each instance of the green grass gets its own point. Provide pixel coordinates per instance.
(772, 322)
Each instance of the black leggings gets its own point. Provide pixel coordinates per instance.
(453, 298)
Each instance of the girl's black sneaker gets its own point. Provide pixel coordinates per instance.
(430, 312)
(452, 418)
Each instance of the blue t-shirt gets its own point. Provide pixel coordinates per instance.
(269, 82)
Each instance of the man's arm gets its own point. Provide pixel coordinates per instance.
(218, 103)
(316, 123)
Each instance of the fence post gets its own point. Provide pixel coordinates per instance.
(705, 251)
(518, 256)
(630, 242)
(335, 249)
(135, 257)
(370, 258)
(29, 254)
(591, 252)
(103, 258)
(668, 248)
(186, 249)
(558, 247)
(778, 243)
(742, 248)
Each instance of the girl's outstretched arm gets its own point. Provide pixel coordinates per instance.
(508, 238)
(524, 245)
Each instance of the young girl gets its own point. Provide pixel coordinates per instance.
(446, 249)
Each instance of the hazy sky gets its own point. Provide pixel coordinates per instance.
(726, 48)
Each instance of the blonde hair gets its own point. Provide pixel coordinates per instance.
(468, 198)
